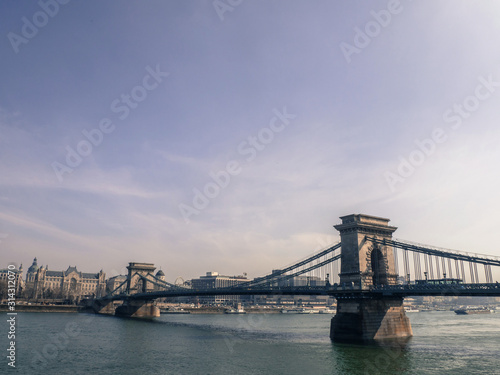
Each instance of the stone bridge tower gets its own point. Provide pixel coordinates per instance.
(143, 308)
(364, 265)
(137, 308)
(135, 283)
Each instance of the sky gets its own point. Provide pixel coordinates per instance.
(231, 135)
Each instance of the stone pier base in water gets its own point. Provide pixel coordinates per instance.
(138, 309)
(103, 307)
(365, 320)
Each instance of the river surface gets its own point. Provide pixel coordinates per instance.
(51, 343)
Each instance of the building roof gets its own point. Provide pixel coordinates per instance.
(34, 267)
(71, 269)
(118, 277)
(6, 270)
(90, 275)
(213, 277)
(55, 273)
(160, 273)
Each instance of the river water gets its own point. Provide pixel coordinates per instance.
(51, 343)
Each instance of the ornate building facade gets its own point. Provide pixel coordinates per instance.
(69, 284)
(18, 278)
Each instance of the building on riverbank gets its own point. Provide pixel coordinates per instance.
(18, 278)
(70, 284)
(114, 282)
(214, 280)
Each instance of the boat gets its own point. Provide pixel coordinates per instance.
(411, 310)
(309, 311)
(327, 311)
(472, 310)
(298, 310)
(292, 311)
(238, 310)
(235, 311)
(174, 311)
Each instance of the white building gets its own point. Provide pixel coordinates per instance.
(214, 280)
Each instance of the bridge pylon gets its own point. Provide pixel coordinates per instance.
(363, 265)
(137, 282)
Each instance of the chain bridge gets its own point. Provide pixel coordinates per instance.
(368, 272)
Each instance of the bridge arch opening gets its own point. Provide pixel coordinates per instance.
(379, 268)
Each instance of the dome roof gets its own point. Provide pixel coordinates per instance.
(160, 273)
(34, 267)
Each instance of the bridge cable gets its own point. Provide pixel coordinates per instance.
(406, 266)
(298, 273)
(118, 287)
(453, 254)
(289, 268)
(396, 265)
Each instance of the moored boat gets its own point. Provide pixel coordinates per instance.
(411, 310)
(327, 311)
(472, 310)
(174, 311)
(299, 310)
(235, 311)
(291, 311)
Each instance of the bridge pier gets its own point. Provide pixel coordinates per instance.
(103, 307)
(138, 309)
(366, 320)
(361, 318)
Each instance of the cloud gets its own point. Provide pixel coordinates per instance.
(354, 122)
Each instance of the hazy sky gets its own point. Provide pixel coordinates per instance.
(118, 117)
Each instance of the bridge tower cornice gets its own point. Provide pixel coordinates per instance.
(366, 224)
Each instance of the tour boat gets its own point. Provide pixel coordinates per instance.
(235, 311)
(411, 310)
(174, 311)
(327, 311)
(472, 310)
(298, 310)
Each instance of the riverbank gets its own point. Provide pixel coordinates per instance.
(43, 308)
(220, 310)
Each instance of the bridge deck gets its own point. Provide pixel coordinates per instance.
(491, 290)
